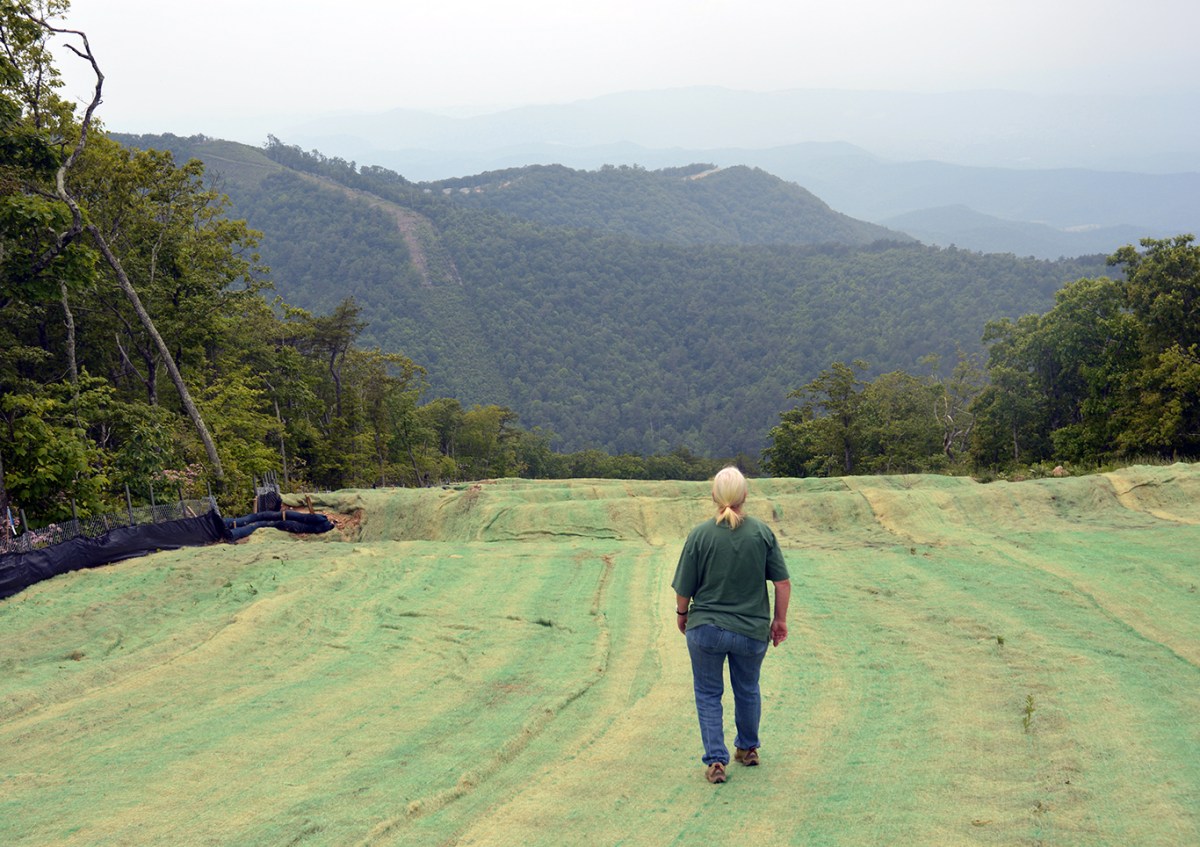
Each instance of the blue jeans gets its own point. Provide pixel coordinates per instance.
(709, 646)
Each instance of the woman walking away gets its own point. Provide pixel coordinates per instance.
(723, 573)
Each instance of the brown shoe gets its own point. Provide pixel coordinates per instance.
(715, 773)
(749, 758)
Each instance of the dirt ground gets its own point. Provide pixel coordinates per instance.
(1003, 664)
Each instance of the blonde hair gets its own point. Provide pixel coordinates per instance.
(729, 493)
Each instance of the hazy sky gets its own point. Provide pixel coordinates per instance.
(241, 68)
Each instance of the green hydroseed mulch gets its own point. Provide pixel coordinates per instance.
(1013, 663)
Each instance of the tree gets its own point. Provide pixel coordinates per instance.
(29, 71)
(38, 256)
(899, 429)
(388, 387)
(1009, 416)
(42, 139)
(1095, 341)
(486, 443)
(1055, 379)
(1164, 417)
(952, 404)
(1163, 289)
(50, 463)
(823, 435)
(1160, 409)
(170, 233)
(444, 419)
(333, 335)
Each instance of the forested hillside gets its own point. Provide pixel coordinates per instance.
(609, 340)
(697, 204)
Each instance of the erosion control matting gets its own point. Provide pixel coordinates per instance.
(1001, 664)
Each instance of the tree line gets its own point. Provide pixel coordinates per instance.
(1109, 374)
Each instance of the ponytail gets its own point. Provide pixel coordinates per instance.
(729, 493)
(730, 515)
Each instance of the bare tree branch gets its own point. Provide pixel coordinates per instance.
(65, 238)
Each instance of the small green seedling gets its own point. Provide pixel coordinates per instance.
(1029, 710)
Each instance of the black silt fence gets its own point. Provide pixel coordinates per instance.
(21, 570)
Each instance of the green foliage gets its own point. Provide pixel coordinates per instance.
(595, 464)
(1163, 290)
(235, 404)
(1007, 414)
(26, 224)
(1165, 417)
(330, 238)
(900, 432)
(139, 441)
(824, 434)
(36, 132)
(1058, 372)
(282, 388)
(698, 204)
(615, 344)
(1109, 372)
(895, 423)
(48, 458)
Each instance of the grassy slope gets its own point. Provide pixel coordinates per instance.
(498, 665)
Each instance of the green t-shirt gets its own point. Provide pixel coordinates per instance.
(725, 572)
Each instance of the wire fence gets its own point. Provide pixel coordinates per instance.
(96, 525)
(266, 493)
(19, 537)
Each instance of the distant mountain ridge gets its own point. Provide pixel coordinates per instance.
(694, 204)
(978, 128)
(962, 226)
(1074, 164)
(606, 339)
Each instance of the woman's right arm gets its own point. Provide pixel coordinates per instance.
(783, 593)
(681, 620)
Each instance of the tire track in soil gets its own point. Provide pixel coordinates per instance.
(306, 646)
(269, 748)
(1140, 621)
(575, 768)
(488, 778)
(144, 671)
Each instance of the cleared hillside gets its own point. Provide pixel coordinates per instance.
(498, 664)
